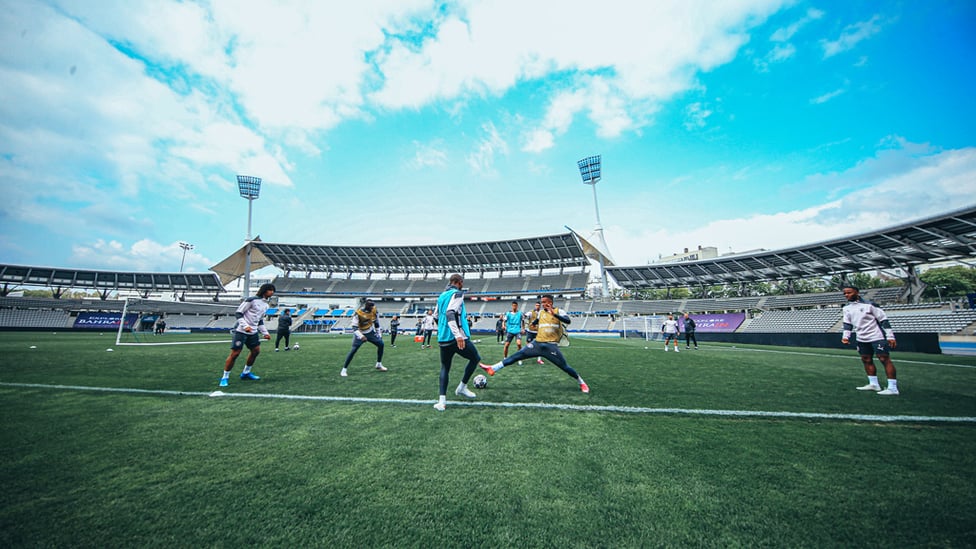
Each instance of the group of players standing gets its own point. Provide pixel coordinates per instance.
(544, 328)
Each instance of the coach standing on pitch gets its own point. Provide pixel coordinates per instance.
(454, 338)
(284, 329)
(874, 336)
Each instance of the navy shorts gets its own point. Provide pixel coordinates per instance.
(241, 340)
(510, 336)
(871, 348)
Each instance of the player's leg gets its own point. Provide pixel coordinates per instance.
(556, 357)
(867, 359)
(447, 354)
(375, 339)
(889, 366)
(254, 346)
(356, 343)
(469, 352)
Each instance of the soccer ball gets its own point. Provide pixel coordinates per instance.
(480, 381)
(296, 347)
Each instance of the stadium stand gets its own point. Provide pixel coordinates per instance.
(405, 281)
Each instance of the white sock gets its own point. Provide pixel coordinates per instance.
(461, 385)
(442, 399)
(498, 366)
(893, 384)
(873, 380)
(226, 374)
(246, 369)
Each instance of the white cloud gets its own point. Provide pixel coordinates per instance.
(427, 155)
(144, 256)
(820, 99)
(851, 36)
(483, 158)
(696, 115)
(900, 184)
(627, 57)
(784, 34)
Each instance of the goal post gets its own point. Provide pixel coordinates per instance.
(647, 328)
(148, 322)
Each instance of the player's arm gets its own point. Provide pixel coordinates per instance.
(884, 324)
(561, 316)
(241, 319)
(355, 326)
(848, 327)
(453, 315)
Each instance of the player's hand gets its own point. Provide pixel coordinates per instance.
(460, 342)
(845, 341)
(248, 329)
(267, 336)
(892, 343)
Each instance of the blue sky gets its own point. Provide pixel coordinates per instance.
(741, 125)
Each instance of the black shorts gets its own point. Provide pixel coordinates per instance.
(871, 348)
(510, 336)
(242, 340)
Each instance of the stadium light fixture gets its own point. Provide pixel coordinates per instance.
(591, 170)
(186, 246)
(250, 188)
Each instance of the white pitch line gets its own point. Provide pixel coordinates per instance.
(829, 355)
(537, 405)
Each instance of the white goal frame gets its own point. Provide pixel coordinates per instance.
(647, 328)
(118, 335)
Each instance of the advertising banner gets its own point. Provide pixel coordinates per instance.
(722, 322)
(104, 321)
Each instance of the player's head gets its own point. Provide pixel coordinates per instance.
(515, 305)
(368, 305)
(545, 300)
(851, 292)
(670, 317)
(287, 312)
(686, 315)
(456, 280)
(538, 304)
(266, 291)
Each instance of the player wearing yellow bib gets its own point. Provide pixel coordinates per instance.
(545, 345)
(532, 325)
(367, 328)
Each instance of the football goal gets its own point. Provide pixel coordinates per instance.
(151, 322)
(647, 328)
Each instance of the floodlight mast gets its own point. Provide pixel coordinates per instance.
(186, 246)
(591, 171)
(250, 188)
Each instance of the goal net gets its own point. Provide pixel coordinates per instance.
(647, 328)
(151, 322)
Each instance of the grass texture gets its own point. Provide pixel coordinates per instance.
(126, 448)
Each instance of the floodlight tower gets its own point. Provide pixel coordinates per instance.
(590, 171)
(250, 188)
(186, 246)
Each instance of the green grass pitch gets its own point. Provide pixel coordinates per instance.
(127, 448)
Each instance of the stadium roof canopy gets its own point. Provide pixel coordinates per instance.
(946, 237)
(543, 252)
(48, 277)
